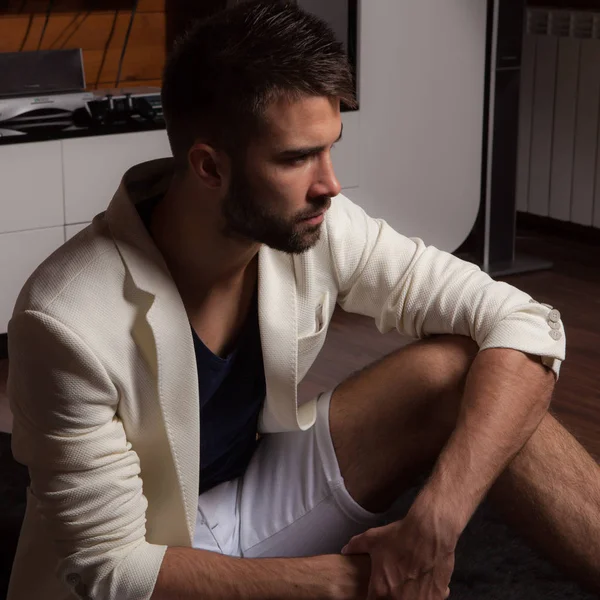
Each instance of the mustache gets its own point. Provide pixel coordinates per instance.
(318, 206)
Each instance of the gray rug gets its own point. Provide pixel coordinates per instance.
(492, 562)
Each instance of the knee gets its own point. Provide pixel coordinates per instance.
(447, 363)
(462, 350)
(450, 357)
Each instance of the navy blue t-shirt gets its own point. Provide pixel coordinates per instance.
(232, 391)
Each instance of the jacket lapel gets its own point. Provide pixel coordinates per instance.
(171, 353)
(278, 319)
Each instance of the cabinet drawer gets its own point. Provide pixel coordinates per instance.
(31, 192)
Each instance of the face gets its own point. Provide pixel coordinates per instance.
(279, 194)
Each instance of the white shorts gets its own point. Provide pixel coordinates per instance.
(290, 502)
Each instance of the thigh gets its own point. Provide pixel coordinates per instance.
(218, 519)
(298, 496)
(292, 499)
(390, 421)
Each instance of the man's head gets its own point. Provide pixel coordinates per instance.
(252, 102)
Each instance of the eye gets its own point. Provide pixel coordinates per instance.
(299, 160)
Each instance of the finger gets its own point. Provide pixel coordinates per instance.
(357, 545)
(424, 588)
(377, 589)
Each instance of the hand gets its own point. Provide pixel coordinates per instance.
(408, 561)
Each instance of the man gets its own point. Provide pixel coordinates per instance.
(148, 352)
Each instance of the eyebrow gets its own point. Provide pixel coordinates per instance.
(298, 152)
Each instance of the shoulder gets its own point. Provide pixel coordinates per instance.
(74, 274)
(345, 216)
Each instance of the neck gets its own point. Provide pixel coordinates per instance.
(187, 229)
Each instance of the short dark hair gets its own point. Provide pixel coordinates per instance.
(227, 69)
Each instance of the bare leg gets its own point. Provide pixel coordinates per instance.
(551, 493)
(390, 421)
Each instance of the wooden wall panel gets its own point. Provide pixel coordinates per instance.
(151, 6)
(62, 6)
(100, 34)
(180, 13)
(12, 32)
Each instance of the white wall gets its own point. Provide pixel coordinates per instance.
(422, 66)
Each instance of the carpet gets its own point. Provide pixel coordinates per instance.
(492, 562)
(13, 482)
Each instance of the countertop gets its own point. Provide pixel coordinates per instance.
(77, 132)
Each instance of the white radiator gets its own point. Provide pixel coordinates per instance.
(558, 168)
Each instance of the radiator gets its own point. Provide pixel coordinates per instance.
(558, 162)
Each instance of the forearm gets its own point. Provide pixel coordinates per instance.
(506, 396)
(187, 573)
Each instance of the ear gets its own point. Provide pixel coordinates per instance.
(209, 165)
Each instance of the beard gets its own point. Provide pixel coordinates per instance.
(246, 216)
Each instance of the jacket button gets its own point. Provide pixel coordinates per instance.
(554, 324)
(73, 579)
(555, 335)
(554, 316)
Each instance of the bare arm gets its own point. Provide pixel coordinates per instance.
(191, 574)
(506, 396)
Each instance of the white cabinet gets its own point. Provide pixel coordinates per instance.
(71, 230)
(31, 188)
(20, 254)
(94, 166)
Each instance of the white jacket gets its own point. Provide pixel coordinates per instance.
(103, 384)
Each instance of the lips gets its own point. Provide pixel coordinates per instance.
(314, 221)
(315, 216)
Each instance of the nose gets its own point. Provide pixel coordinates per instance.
(327, 183)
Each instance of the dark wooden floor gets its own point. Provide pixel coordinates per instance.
(572, 286)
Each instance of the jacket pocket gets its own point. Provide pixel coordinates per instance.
(310, 345)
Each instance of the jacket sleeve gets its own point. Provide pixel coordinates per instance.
(420, 290)
(84, 473)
